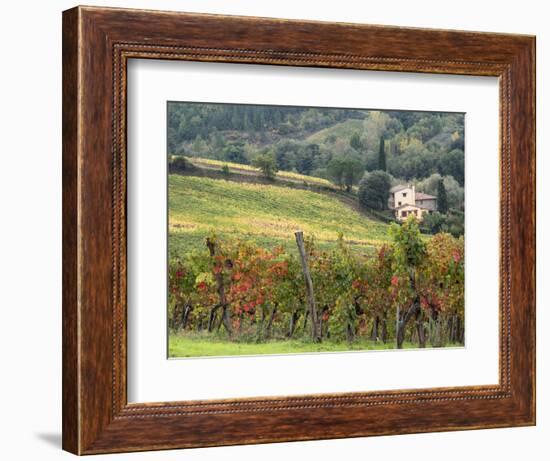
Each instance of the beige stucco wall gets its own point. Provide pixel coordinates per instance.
(403, 213)
(430, 204)
(400, 199)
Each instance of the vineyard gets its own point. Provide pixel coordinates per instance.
(266, 215)
(283, 237)
(407, 292)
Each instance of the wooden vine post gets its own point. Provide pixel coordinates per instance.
(315, 334)
(211, 244)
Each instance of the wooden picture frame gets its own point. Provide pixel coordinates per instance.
(97, 43)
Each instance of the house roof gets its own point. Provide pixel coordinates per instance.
(398, 188)
(423, 196)
(408, 205)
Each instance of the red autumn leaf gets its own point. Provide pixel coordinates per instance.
(201, 286)
(456, 256)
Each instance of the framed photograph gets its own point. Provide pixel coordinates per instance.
(284, 230)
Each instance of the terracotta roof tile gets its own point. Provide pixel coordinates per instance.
(423, 196)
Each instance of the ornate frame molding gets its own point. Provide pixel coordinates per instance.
(97, 45)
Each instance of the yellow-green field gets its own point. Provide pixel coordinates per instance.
(239, 168)
(266, 214)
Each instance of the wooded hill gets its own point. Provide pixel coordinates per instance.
(306, 140)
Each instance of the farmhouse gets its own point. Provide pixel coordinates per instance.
(404, 201)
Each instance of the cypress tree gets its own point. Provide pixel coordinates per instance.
(355, 142)
(382, 155)
(442, 203)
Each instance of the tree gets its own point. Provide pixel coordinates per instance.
(455, 223)
(375, 126)
(355, 142)
(382, 155)
(285, 152)
(218, 141)
(345, 171)
(442, 203)
(415, 161)
(455, 193)
(267, 164)
(199, 146)
(305, 157)
(433, 222)
(235, 153)
(457, 141)
(374, 190)
(452, 163)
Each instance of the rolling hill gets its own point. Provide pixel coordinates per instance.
(267, 214)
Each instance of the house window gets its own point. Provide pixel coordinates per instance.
(403, 214)
(398, 203)
(404, 194)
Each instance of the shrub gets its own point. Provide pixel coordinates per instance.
(179, 164)
(267, 164)
(433, 222)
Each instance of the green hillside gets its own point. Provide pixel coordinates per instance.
(343, 130)
(266, 214)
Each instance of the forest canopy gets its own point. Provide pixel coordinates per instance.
(416, 145)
